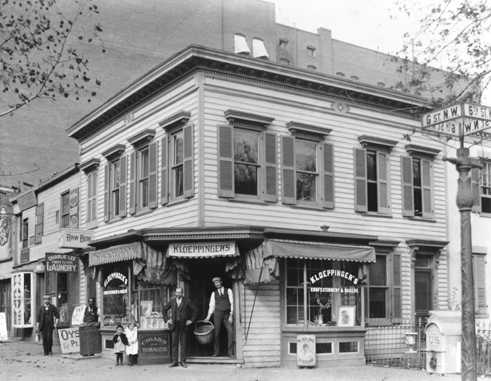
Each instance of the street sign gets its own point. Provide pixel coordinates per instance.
(441, 116)
(477, 111)
(471, 126)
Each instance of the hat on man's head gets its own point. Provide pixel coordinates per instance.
(216, 279)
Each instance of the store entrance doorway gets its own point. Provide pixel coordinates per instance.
(200, 288)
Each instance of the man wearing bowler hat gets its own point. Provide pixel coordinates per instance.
(47, 320)
(222, 308)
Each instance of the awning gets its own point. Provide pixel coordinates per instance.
(117, 253)
(318, 250)
(203, 249)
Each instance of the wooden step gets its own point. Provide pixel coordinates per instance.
(211, 360)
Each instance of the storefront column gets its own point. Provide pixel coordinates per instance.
(238, 328)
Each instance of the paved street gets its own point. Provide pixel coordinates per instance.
(23, 361)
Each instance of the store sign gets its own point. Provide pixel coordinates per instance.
(306, 350)
(333, 273)
(154, 343)
(115, 283)
(27, 200)
(4, 227)
(61, 263)
(75, 238)
(202, 249)
(69, 340)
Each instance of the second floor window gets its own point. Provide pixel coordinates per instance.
(65, 209)
(143, 173)
(114, 181)
(25, 233)
(177, 164)
(246, 161)
(91, 196)
(417, 192)
(485, 188)
(306, 170)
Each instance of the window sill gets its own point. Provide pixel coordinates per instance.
(377, 322)
(178, 201)
(376, 214)
(248, 200)
(332, 328)
(91, 225)
(422, 219)
(114, 219)
(142, 212)
(312, 206)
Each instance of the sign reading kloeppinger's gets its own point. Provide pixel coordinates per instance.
(62, 263)
(202, 249)
(74, 238)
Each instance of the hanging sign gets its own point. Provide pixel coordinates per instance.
(74, 238)
(61, 263)
(202, 249)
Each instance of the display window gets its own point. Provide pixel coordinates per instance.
(23, 291)
(148, 301)
(322, 293)
(115, 295)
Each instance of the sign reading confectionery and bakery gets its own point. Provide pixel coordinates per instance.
(74, 238)
(61, 263)
(314, 278)
(202, 249)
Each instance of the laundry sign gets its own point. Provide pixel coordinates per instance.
(203, 249)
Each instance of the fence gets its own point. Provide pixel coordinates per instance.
(483, 341)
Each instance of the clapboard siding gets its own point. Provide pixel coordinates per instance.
(262, 347)
(184, 214)
(345, 131)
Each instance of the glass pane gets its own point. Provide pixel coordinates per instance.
(144, 193)
(245, 146)
(144, 164)
(323, 347)
(305, 155)
(178, 149)
(245, 179)
(372, 197)
(371, 166)
(378, 301)
(179, 188)
(291, 296)
(349, 346)
(378, 271)
(416, 172)
(418, 206)
(422, 289)
(115, 177)
(305, 187)
(292, 315)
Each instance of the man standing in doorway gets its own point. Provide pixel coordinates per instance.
(47, 320)
(222, 308)
(183, 314)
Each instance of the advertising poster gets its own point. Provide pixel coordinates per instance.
(306, 351)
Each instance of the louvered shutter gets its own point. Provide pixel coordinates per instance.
(407, 186)
(476, 189)
(225, 161)
(188, 175)
(164, 177)
(360, 161)
(479, 270)
(396, 286)
(383, 182)
(270, 171)
(132, 183)
(328, 176)
(288, 170)
(106, 193)
(427, 197)
(122, 186)
(152, 175)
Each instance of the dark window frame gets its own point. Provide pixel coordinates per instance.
(65, 209)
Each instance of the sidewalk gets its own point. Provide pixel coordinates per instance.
(24, 361)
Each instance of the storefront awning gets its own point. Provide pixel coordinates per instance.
(318, 250)
(117, 253)
(203, 249)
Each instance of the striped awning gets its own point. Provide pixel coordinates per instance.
(117, 253)
(318, 250)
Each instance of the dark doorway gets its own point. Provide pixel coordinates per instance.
(423, 285)
(200, 288)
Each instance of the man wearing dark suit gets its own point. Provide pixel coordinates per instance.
(47, 320)
(183, 314)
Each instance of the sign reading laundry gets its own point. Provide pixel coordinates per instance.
(333, 272)
(64, 263)
(202, 249)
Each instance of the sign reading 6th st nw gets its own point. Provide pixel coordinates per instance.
(458, 120)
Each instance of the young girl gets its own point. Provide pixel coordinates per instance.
(120, 342)
(132, 349)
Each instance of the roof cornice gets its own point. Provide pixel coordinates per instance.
(197, 57)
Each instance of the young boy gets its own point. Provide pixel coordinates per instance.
(120, 342)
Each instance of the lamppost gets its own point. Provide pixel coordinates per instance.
(457, 122)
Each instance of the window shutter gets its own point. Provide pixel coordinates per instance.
(407, 186)
(164, 178)
(479, 269)
(39, 226)
(288, 170)
(132, 183)
(106, 193)
(328, 183)
(152, 174)
(360, 159)
(122, 186)
(73, 219)
(383, 182)
(426, 167)
(396, 286)
(225, 161)
(476, 189)
(188, 175)
(270, 171)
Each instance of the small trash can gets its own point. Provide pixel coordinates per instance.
(90, 340)
(443, 342)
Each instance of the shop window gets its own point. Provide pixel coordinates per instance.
(372, 191)
(307, 166)
(23, 292)
(247, 158)
(148, 302)
(479, 272)
(92, 196)
(323, 348)
(348, 346)
(115, 302)
(322, 293)
(384, 288)
(65, 209)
